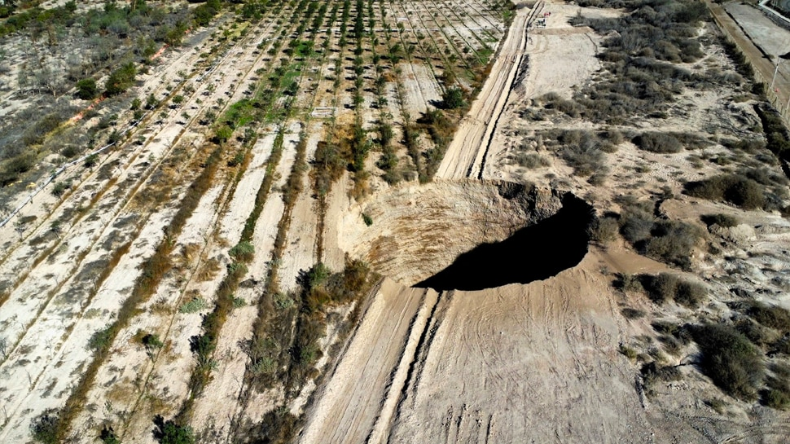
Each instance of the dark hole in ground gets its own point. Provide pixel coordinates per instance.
(532, 253)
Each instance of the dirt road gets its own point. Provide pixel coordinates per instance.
(466, 153)
(764, 67)
(364, 379)
(496, 365)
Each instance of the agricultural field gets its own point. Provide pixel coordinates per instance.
(388, 221)
(168, 173)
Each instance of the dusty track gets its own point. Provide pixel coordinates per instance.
(498, 365)
(466, 154)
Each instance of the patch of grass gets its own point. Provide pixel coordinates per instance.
(195, 305)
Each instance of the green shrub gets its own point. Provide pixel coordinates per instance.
(453, 98)
(730, 360)
(108, 436)
(91, 160)
(100, 340)
(193, 306)
(367, 219)
(120, 80)
(44, 427)
(244, 251)
(87, 89)
(60, 188)
(223, 134)
(168, 432)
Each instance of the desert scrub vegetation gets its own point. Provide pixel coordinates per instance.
(730, 360)
(669, 287)
(583, 150)
(736, 189)
(669, 241)
(640, 60)
(79, 48)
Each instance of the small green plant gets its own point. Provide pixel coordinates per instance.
(60, 188)
(87, 89)
(453, 98)
(100, 340)
(367, 219)
(223, 134)
(169, 432)
(193, 306)
(244, 251)
(91, 160)
(44, 427)
(108, 436)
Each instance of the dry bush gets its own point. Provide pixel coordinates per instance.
(672, 242)
(531, 161)
(658, 142)
(603, 230)
(737, 190)
(770, 316)
(722, 220)
(652, 373)
(669, 287)
(209, 270)
(730, 360)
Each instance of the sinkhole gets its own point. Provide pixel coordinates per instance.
(467, 234)
(532, 253)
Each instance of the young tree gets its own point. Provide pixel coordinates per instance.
(87, 89)
(121, 79)
(453, 98)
